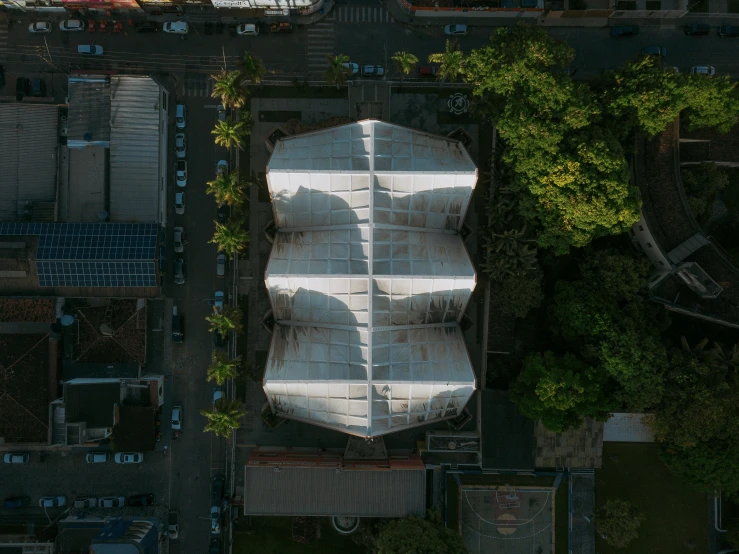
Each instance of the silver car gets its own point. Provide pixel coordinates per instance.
(40, 27)
(179, 271)
(455, 30)
(16, 458)
(181, 173)
(180, 145)
(221, 265)
(52, 501)
(97, 457)
(112, 502)
(129, 458)
(179, 203)
(71, 25)
(179, 239)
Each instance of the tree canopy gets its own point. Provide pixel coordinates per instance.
(414, 535)
(618, 522)
(224, 417)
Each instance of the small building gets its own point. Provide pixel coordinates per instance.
(110, 535)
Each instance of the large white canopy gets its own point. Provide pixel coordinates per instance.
(368, 278)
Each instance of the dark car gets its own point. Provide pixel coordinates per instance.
(222, 213)
(215, 546)
(281, 28)
(218, 484)
(38, 88)
(697, 29)
(728, 31)
(16, 502)
(654, 51)
(2, 75)
(624, 31)
(219, 340)
(146, 27)
(22, 88)
(141, 500)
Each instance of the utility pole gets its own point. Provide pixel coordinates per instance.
(223, 50)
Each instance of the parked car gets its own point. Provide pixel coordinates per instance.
(728, 31)
(16, 502)
(215, 520)
(146, 27)
(248, 29)
(624, 30)
(215, 546)
(52, 501)
(180, 145)
(177, 418)
(129, 458)
(218, 298)
(221, 265)
(181, 173)
(97, 457)
(351, 68)
(281, 27)
(654, 51)
(40, 27)
(112, 502)
(179, 203)
(178, 326)
(173, 525)
(90, 49)
(17, 458)
(697, 29)
(141, 500)
(219, 340)
(373, 70)
(221, 112)
(703, 70)
(72, 25)
(22, 88)
(218, 485)
(85, 502)
(427, 71)
(38, 88)
(177, 27)
(222, 212)
(179, 271)
(217, 395)
(179, 239)
(222, 167)
(455, 30)
(181, 116)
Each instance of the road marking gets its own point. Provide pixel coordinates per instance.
(364, 14)
(319, 44)
(3, 36)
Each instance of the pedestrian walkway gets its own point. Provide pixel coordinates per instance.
(320, 42)
(199, 85)
(3, 36)
(363, 14)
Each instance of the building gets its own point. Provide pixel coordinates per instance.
(368, 278)
(111, 535)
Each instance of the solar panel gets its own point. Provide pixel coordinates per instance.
(96, 274)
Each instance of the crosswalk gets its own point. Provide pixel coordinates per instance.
(3, 36)
(197, 86)
(320, 42)
(363, 14)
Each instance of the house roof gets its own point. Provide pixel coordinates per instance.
(88, 117)
(136, 430)
(300, 491)
(92, 403)
(28, 310)
(507, 436)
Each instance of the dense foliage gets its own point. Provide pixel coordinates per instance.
(618, 522)
(414, 535)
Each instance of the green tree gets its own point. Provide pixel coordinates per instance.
(231, 236)
(702, 182)
(226, 320)
(711, 102)
(414, 535)
(222, 368)
(229, 133)
(618, 521)
(405, 62)
(560, 390)
(451, 62)
(228, 88)
(252, 68)
(224, 417)
(517, 295)
(227, 188)
(336, 72)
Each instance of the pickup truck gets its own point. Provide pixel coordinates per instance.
(173, 525)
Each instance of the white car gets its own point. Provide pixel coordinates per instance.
(17, 458)
(85, 502)
(129, 458)
(90, 49)
(179, 239)
(222, 167)
(52, 501)
(176, 27)
(181, 173)
(177, 418)
(373, 70)
(247, 29)
(455, 30)
(180, 145)
(179, 203)
(703, 70)
(40, 27)
(112, 502)
(71, 25)
(215, 520)
(351, 68)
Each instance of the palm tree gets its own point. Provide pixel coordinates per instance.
(227, 188)
(405, 61)
(723, 359)
(224, 417)
(252, 68)
(451, 62)
(221, 368)
(694, 351)
(247, 120)
(336, 73)
(226, 320)
(228, 88)
(230, 237)
(230, 134)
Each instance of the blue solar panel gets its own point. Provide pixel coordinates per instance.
(96, 274)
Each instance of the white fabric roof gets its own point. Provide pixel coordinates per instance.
(368, 278)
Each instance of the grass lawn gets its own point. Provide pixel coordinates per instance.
(273, 535)
(677, 517)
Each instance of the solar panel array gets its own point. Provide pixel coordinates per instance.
(92, 254)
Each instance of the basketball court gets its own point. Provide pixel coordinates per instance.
(504, 519)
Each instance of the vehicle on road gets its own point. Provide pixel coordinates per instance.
(17, 458)
(728, 31)
(624, 30)
(129, 458)
(141, 500)
(373, 70)
(72, 25)
(217, 395)
(146, 27)
(218, 485)
(281, 27)
(40, 27)
(52, 501)
(248, 29)
(16, 502)
(455, 30)
(173, 525)
(222, 167)
(703, 70)
(181, 116)
(97, 457)
(179, 271)
(427, 71)
(178, 326)
(223, 212)
(179, 240)
(177, 418)
(180, 145)
(697, 29)
(221, 112)
(85, 502)
(215, 520)
(179, 203)
(38, 88)
(176, 27)
(218, 298)
(351, 68)
(181, 173)
(654, 51)
(215, 546)
(90, 49)
(221, 265)
(112, 502)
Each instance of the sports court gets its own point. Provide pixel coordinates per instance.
(507, 519)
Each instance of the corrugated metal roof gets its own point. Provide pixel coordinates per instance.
(28, 157)
(328, 492)
(88, 117)
(135, 122)
(622, 427)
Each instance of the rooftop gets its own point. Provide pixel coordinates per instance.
(579, 448)
(88, 118)
(92, 403)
